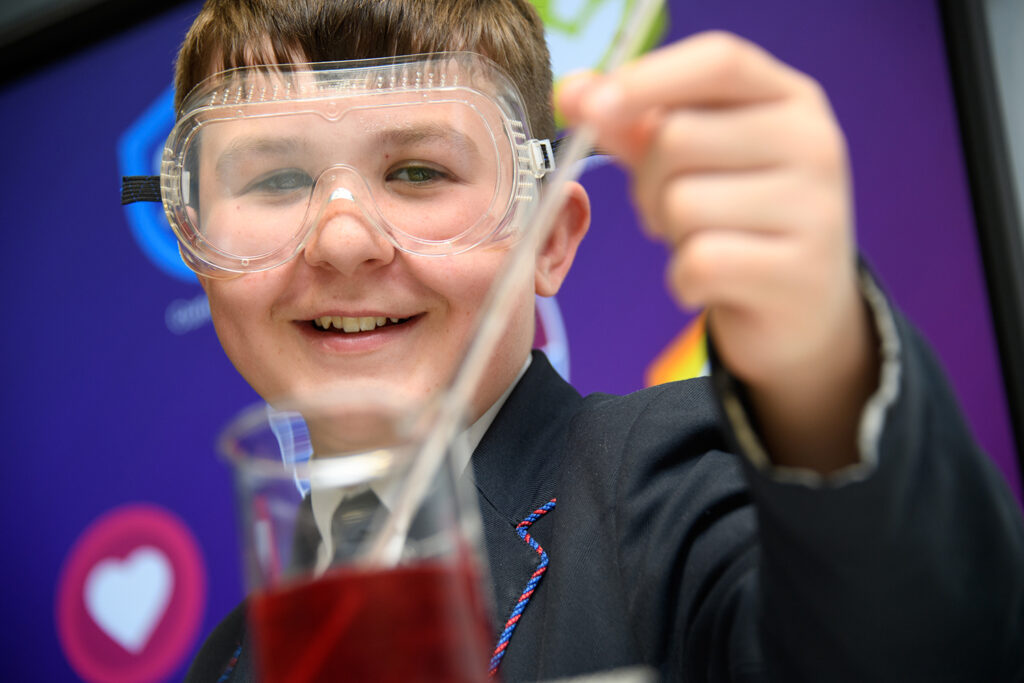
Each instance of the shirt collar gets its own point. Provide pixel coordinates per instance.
(324, 503)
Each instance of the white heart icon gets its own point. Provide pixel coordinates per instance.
(127, 598)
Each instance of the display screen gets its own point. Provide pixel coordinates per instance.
(115, 386)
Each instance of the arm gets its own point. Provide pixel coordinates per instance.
(911, 569)
(740, 168)
(914, 571)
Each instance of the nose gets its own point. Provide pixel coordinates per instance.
(345, 236)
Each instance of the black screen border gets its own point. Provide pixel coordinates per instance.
(66, 33)
(990, 176)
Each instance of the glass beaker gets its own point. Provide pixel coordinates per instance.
(317, 481)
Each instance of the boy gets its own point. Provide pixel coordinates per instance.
(836, 547)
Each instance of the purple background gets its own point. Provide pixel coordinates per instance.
(103, 405)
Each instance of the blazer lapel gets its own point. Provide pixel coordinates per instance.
(515, 468)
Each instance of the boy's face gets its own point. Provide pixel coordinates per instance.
(350, 307)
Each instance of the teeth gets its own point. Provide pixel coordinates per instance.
(349, 324)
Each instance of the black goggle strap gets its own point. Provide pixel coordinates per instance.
(558, 143)
(146, 188)
(140, 188)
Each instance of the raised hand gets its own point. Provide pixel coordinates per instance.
(740, 168)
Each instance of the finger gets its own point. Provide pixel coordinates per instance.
(712, 69)
(777, 201)
(703, 141)
(570, 91)
(751, 137)
(733, 269)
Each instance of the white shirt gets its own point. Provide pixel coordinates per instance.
(326, 501)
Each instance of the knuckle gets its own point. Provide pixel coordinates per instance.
(719, 39)
(699, 263)
(815, 127)
(818, 140)
(680, 206)
(725, 53)
(827, 154)
(821, 216)
(686, 289)
(810, 88)
(677, 134)
(649, 212)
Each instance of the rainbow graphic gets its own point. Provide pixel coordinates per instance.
(685, 357)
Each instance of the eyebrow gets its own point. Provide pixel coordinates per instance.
(429, 132)
(243, 147)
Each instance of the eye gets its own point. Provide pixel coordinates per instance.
(418, 174)
(282, 181)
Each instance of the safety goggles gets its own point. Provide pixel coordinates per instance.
(433, 151)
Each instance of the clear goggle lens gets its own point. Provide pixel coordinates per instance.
(436, 168)
(424, 174)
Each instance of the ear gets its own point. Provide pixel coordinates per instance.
(555, 256)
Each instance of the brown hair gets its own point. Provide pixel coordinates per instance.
(230, 33)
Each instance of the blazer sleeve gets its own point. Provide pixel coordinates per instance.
(908, 568)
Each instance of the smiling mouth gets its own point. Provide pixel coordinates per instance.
(330, 323)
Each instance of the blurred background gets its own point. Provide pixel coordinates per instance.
(117, 517)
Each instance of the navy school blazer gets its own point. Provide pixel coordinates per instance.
(665, 549)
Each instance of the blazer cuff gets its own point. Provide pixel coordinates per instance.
(740, 417)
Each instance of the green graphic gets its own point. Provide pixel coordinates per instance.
(581, 33)
(572, 25)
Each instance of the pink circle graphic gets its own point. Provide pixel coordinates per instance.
(130, 596)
